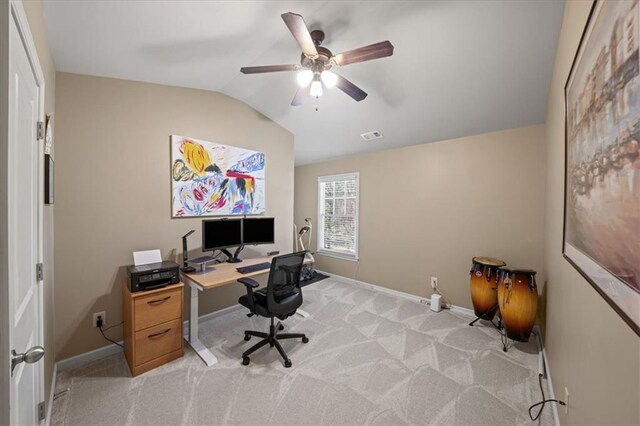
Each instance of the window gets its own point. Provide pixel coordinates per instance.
(338, 215)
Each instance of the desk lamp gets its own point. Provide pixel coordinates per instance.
(186, 268)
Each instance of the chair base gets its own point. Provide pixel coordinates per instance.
(272, 339)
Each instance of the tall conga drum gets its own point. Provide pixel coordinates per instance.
(484, 280)
(518, 300)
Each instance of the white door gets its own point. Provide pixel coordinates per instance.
(25, 308)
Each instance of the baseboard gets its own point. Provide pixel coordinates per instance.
(211, 315)
(409, 296)
(87, 357)
(113, 349)
(547, 371)
(52, 392)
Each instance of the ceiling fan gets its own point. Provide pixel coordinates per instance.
(316, 61)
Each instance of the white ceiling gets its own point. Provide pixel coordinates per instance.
(459, 68)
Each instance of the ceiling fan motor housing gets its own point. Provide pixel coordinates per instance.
(319, 64)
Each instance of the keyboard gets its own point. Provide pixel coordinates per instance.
(254, 268)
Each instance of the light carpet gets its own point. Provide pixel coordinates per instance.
(372, 359)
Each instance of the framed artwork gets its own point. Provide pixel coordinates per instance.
(49, 175)
(211, 179)
(602, 157)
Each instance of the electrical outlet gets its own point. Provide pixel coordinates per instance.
(434, 282)
(97, 315)
(566, 400)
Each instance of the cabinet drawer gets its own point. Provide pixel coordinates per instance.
(157, 308)
(157, 341)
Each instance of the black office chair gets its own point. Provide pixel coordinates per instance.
(280, 299)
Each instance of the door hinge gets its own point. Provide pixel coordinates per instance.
(40, 130)
(39, 272)
(42, 412)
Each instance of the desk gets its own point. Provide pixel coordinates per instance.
(218, 275)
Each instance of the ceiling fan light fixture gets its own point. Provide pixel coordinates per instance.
(304, 77)
(316, 89)
(329, 79)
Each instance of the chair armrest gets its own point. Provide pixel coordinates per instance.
(250, 285)
(248, 282)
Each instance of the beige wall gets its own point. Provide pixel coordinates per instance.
(113, 189)
(426, 210)
(33, 9)
(591, 350)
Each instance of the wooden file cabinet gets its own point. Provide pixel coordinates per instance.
(152, 327)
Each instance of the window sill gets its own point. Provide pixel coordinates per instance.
(341, 256)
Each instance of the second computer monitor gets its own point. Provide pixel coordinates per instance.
(221, 233)
(258, 230)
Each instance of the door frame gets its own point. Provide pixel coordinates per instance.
(13, 9)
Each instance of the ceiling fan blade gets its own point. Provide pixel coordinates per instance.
(350, 89)
(300, 32)
(300, 96)
(269, 68)
(366, 53)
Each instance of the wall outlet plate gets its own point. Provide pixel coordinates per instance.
(102, 314)
(434, 282)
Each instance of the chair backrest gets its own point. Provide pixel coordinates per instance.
(283, 288)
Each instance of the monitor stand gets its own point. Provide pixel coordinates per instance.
(233, 258)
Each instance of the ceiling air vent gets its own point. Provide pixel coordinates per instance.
(369, 136)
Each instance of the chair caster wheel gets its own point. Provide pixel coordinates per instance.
(271, 344)
(245, 360)
(281, 327)
(287, 363)
(247, 337)
(305, 340)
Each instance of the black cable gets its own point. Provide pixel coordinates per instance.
(115, 325)
(112, 341)
(543, 402)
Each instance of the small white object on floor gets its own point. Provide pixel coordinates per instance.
(146, 257)
(302, 313)
(436, 302)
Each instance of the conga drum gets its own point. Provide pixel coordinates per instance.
(484, 280)
(518, 300)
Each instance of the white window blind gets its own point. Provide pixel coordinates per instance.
(338, 215)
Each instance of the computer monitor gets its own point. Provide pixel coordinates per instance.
(258, 230)
(219, 234)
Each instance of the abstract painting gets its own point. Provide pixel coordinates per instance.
(602, 171)
(210, 179)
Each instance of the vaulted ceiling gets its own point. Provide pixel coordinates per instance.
(459, 67)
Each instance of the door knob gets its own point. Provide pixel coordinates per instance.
(31, 356)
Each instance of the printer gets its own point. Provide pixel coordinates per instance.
(153, 275)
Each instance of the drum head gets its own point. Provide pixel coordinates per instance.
(518, 271)
(488, 261)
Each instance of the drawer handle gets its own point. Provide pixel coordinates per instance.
(157, 302)
(162, 333)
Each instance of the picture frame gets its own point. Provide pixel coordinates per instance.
(49, 179)
(212, 179)
(601, 230)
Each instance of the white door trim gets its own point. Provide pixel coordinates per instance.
(13, 9)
